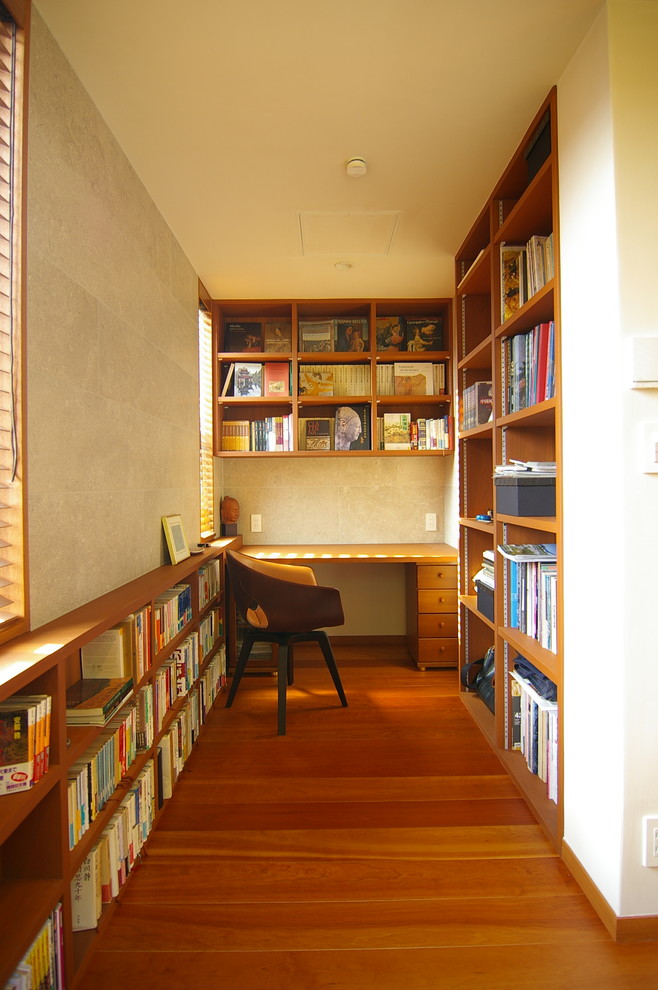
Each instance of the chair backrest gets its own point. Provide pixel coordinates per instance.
(282, 597)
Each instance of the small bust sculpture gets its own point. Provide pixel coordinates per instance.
(229, 513)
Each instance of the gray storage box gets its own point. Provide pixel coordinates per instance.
(528, 495)
(485, 599)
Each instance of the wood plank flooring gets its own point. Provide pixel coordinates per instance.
(379, 846)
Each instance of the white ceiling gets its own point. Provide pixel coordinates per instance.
(239, 118)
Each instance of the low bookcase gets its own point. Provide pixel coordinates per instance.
(40, 855)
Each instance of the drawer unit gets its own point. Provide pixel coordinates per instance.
(432, 623)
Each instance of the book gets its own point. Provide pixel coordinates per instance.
(243, 336)
(109, 655)
(316, 336)
(528, 552)
(512, 279)
(248, 380)
(17, 745)
(351, 335)
(352, 427)
(397, 431)
(425, 334)
(476, 405)
(277, 336)
(316, 382)
(390, 334)
(317, 435)
(276, 378)
(93, 701)
(413, 378)
(228, 379)
(86, 893)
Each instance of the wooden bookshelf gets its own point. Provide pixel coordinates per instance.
(38, 864)
(523, 204)
(365, 370)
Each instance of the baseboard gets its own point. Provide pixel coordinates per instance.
(640, 928)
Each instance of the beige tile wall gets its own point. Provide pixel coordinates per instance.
(112, 354)
(349, 500)
(344, 500)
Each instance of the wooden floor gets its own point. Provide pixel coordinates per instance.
(380, 846)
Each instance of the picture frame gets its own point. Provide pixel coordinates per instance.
(175, 535)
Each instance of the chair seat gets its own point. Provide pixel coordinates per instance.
(282, 604)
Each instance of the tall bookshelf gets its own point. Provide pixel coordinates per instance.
(43, 840)
(360, 378)
(522, 206)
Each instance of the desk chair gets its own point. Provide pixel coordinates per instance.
(282, 604)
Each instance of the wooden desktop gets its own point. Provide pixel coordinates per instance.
(431, 587)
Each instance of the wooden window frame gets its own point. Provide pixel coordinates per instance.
(207, 523)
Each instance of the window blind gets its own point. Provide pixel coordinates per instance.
(13, 597)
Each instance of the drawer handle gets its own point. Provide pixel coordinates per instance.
(441, 599)
(442, 625)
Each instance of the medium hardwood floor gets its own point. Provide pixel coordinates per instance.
(379, 846)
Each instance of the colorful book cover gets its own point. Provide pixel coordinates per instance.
(241, 337)
(390, 333)
(413, 378)
(248, 381)
(511, 279)
(425, 334)
(277, 336)
(316, 382)
(352, 335)
(352, 427)
(276, 378)
(318, 434)
(316, 336)
(397, 431)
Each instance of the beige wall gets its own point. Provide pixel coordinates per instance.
(349, 500)
(344, 499)
(112, 354)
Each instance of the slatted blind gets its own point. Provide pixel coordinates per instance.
(13, 598)
(206, 475)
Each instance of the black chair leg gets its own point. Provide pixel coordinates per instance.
(247, 643)
(328, 654)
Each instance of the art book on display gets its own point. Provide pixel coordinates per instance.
(390, 333)
(352, 335)
(352, 427)
(397, 431)
(247, 336)
(316, 382)
(277, 336)
(413, 378)
(276, 378)
(248, 380)
(425, 334)
(318, 434)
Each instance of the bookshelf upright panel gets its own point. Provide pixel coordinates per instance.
(507, 333)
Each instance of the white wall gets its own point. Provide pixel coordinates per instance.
(112, 345)
(608, 197)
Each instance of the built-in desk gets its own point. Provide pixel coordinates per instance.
(431, 587)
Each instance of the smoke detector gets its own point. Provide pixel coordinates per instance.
(356, 167)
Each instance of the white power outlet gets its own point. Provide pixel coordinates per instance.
(650, 840)
(256, 523)
(430, 522)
